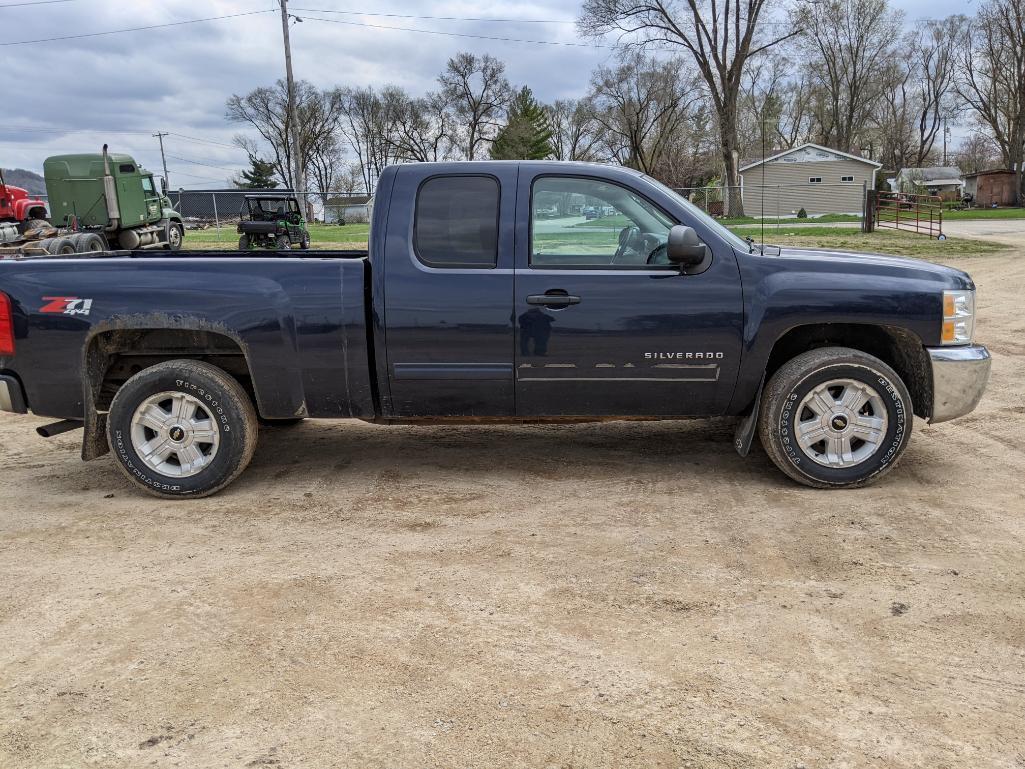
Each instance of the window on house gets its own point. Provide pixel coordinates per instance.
(456, 222)
(814, 180)
(847, 178)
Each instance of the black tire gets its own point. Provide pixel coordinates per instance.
(89, 242)
(243, 243)
(283, 243)
(305, 242)
(62, 246)
(797, 378)
(223, 400)
(175, 237)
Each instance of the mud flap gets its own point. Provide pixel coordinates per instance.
(745, 433)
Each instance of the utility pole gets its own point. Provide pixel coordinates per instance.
(293, 123)
(160, 137)
(945, 132)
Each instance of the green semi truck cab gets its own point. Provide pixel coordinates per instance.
(112, 194)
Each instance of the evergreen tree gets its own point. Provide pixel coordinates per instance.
(527, 135)
(260, 176)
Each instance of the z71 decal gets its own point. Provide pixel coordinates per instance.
(66, 305)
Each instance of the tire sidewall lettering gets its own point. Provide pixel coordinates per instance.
(896, 429)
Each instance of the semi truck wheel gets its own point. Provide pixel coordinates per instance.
(62, 246)
(182, 428)
(175, 237)
(88, 242)
(835, 417)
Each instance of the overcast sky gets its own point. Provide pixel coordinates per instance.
(124, 87)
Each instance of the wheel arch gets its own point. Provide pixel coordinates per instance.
(112, 356)
(897, 347)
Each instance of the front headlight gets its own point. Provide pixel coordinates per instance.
(958, 317)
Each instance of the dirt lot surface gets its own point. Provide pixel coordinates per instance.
(621, 595)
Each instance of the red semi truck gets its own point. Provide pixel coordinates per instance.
(17, 206)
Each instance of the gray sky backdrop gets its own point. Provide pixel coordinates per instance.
(74, 95)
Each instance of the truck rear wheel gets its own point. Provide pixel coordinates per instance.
(182, 428)
(88, 242)
(62, 246)
(835, 417)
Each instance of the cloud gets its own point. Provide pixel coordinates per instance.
(122, 88)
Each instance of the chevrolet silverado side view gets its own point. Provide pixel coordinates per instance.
(492, 291)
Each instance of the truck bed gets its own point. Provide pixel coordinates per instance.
(299, 319)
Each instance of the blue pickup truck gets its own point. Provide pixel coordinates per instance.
(491, 292)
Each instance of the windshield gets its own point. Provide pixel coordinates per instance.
(734, 240)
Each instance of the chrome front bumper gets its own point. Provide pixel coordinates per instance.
(959, 377)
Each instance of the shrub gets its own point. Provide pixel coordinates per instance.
(802, 214)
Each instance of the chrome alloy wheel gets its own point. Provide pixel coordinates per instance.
(174, 435)
(841, 423)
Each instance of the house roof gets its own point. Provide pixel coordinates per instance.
(989, 172)
(807, 145)
(935, 174)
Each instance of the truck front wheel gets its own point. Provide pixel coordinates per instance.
(175, 236)
(182, 428)
(835, 417)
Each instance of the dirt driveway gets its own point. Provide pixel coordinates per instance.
(624, 595)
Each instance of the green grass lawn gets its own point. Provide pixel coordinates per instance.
(322, 236)
(986, 213)
(879, 242)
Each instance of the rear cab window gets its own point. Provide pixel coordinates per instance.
(456, 222)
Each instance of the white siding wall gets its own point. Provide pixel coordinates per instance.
(787, 188)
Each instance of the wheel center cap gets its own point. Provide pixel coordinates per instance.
(838, 422)
(176, 434)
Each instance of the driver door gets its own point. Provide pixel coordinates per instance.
(605, 326)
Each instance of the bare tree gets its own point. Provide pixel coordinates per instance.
(641, 106)
(576, 135)
(419, 129)
(365, 127)
(477, 91)
(849, 44)
(774, 105)
(326, 167)
(720, 35)
(991, 78)
(977, 152)
(266, 110)
(934, 54)
(894, 117)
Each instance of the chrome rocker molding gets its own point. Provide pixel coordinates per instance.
(959, 377)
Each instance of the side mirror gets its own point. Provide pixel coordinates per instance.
(163, 186)
(684, 247)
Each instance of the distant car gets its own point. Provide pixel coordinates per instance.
(590, 213)
(272, 221)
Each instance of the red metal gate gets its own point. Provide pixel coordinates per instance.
(922, 214)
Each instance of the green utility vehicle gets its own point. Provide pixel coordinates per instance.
(99, 202)
(272, 221)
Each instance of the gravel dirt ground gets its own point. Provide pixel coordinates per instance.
(616, 595)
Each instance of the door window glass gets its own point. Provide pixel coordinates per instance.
(456, 222)
(594, 223)
(147, 186)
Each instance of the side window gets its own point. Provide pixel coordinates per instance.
(577, 222)
(847, 178)
(456, 222)
(147, 186)
(814, 180)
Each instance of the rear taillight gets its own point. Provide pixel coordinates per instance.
(6, 326)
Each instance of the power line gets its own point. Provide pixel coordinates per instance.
(439, 18)
(205, 141)
(134, 29)
(35, 2)
(462, 34)
(201, 163)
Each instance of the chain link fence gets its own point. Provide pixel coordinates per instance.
(221, 210)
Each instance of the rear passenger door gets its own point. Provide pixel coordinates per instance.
(449, 292)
